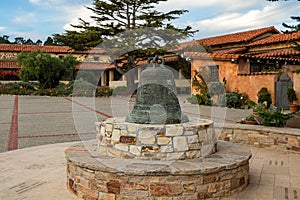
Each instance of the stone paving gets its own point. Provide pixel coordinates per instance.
(40, 173)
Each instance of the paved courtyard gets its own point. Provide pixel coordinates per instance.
(39, 172)
(27, 121)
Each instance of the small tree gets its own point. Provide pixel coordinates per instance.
(41, 66)
(291, 95)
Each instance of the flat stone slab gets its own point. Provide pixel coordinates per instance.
(228, 156)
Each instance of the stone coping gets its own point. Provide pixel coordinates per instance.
(229, 156)
(267, 129)
(274, 138)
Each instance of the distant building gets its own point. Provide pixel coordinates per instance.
(250, 60)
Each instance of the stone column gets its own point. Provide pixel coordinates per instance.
(103, 78)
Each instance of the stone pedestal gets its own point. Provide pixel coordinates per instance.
(193, 139)
(100, 177)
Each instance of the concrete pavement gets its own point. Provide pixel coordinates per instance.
(27, 121)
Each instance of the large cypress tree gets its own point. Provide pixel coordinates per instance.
(137, 25)
(116, 16)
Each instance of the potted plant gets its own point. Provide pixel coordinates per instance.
(292, 96)
(259, 108)
(249, 120)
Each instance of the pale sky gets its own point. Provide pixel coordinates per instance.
(38, 19)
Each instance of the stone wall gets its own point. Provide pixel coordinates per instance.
(285, 139)
(189, 140)
(96, 177)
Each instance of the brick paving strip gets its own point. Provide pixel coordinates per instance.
(13, 133)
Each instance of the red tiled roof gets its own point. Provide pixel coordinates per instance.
(287, 54)
(245, 36)
(8, 65)
(28, 48)
(211, 55)
(278, 38)
(231, 50)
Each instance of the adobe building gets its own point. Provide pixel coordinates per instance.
(250, 60)
(247, 61)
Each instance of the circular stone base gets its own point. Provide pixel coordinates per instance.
(96, 176)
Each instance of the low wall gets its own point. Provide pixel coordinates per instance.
(286, 139)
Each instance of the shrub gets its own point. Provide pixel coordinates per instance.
(291, 95)
(276, 118)
(199, 99)
(264, 96)
(231, 100)
(120, 90)
(104, 92)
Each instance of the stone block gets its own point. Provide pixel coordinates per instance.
(146, 137)
(166, 149)
(193, 139)
(122, 147)
(175, 156)
(174, 130)
(113, 186)
(108, 128)
(127, 139)
(89, 192)
(115, 136)
(132, 128)
(123, 132)
(192, 154)
(136, 150)
(106, 196)
(293, 142)
(163, 140)
(113, 152)
(180, 144)
(165, 190)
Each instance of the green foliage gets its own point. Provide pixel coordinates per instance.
(231, 100)
(88, 76)
(199, 99)
(250, 118)
(276, 118)
(120, 90)
(251, 104)
(260, 107)
(291, 94)
(43, 67)
(264, 96)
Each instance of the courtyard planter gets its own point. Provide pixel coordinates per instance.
(294, 107)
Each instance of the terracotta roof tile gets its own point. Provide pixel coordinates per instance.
(245, 36)
(286, 54)
(277, 38)
(8, 65)
(211, 55)
(231, 50)
(28, 48)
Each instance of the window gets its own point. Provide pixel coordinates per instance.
(96, 58)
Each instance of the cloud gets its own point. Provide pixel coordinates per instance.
(193, 4)
(270, 15)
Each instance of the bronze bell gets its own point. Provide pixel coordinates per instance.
(156, 99)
